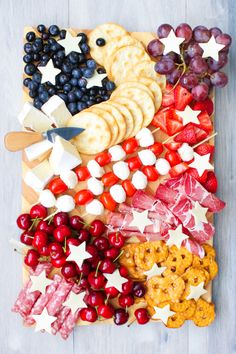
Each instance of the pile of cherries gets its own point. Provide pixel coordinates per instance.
(50, 241)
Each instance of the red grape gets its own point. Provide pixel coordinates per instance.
(216, 65)
(215, 31)
(165, 66)
(173, 77)
(219, 79)
(155, 48)
(200, 92)
(201, 34)
(207, 81)
(184, 31)
(189, 80)
(224, 39)
(164, 30)
(194, 49)
(198, 65)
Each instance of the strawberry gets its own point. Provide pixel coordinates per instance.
(187, 135)
(200, 134)
(193, 172)
(211, 183)
(205, 149)
(182, 97)
(168, 97)
(206, 105)
(173, 126)
(205, 122)
(161, 117)
(173, 146)
(178, 169)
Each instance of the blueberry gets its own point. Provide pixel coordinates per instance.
(66, 68)
(37, 77)
(110, 86)
(62, 34)
(51, 91)
(85, 48)
(101, 71)
(38, 41)
(73, 57)
(93, 91)
(84, 90)
(33, 86)
(45, 36)
(88, 73)
(30, 36)
(82, 82)
(46, 48)
(85, 98)
(91, 64)
(63, 79)
(54, 30)
(63, 96)
(37, 103)
(71, 96)
(52, 41)
(41, 88)
(36, 47)
(55, 47)
(41, 28)
(81, 106)
(60, 54)
(44, 96)
(74, 81)
(27, 58)
(28, 48)
(98, 99)
(100, 42)
(90, 103)
(72, 108)
(101, 92)
(36, 56)
(106, 97)
(26, 81)
(67, 88)
(32, 93)
(78, 94)
(30, 69)
(83, 36)
(82, 58)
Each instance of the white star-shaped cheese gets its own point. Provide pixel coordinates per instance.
(71, 43)
(201, 163)
(176, 237)
(155, 270)
(199, 213)
(75, 301)
(189, 115)
(171, 43)
(115, 280)
(40, 282)
(140, 220)
(44, 321)
(196, 291)
(211, 48)
(78, 254)
(95, 80)
(163, 313)
(49, 72)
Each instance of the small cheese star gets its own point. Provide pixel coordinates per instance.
(176, 237)
(155, 270)
(40, 282)
(201, 163)
(171, 43)
(49, 72)
(44, 321)
(189, 115)
(95, 80)
(211, 48)
(71, 43)
(140, 220)
(196, 291)
(115, 280)
(75, 301)
(199, 213)
(163, 313)
(78, 254)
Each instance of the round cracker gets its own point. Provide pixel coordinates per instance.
(134, 83)
(128, 118)
(124, 60)
(97, 135)
(155, 88)
(135, 110)
(106, 31)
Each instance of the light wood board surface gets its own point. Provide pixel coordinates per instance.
(135, 15)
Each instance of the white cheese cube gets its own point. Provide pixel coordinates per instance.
(56, 109)
(64, 156)
(65, 203)
(47, 198)
(163, 167)
(139, 180)
(117, 153)
(95, 207)
(95, 186)
(121, 170)
(147, 157)
(39, 176)
(33, 118)
(118, 193)
(36, 150)
(186, 152)
(95, 169)
(69, 178)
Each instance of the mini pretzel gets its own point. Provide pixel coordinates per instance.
(194, 276)
(186, 307)
(146, 254)
(178, 260)
(204, 314)
(176, 321)
(208, 263)
(127, 260)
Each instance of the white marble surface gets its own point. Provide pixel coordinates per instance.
(136, 15)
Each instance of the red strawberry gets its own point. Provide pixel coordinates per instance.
(205, 121)
(205, 149)
(173, 146)
(200, 134)
(168, 96)
(187, 135)
(173, 126)
(178, 169)
(211, 183)
(206, 105)
(182, 97)
(161, 117)
(193, 172)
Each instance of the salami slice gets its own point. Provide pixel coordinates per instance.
(55, 304)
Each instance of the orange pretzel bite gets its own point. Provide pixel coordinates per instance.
(177, 261)
(204, 314)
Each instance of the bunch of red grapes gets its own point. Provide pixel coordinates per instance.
(193, 72)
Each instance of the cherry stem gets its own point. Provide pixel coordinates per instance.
(51, 215)
(121, 252)
(130, 324)
(203, 141)
(64, 247)
(106, 301)
(96, 272)
(80, 277)
(33, 223)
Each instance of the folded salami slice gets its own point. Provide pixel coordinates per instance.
(55, 304)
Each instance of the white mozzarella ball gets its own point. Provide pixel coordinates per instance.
(147, 157)
(118, 194)
(95, 169)
(69, 178)
(121, 170)
(162, 166)
(139, 180)
(65, 203)
(95, 186)
(95, 207)
(117, 153)
(145, 137)
(186, 152)
(47, 198)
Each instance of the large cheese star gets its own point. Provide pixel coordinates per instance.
(199, 213)
(196, 291)
(163, 313)
(44, 321)
(78, 254)
(189, 115)
(40, 282)
(211, 48)
(75, 301)
(140, 220)
(71, 43)
(95, 80)
(115, 280)
(49, 72)
(171, 43)
(201, 163)
(155, 270)
(176, 237)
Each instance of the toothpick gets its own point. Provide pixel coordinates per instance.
(155, 130)
(170, 138)
(49, 216)
(203, 141)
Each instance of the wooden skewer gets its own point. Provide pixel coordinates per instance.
(170, 138)
(155, 130)
(49, 216)
(203, 141)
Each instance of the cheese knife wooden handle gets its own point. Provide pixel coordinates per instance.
(15, 141)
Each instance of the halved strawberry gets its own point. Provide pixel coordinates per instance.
(173, 146)
(178, 169)
(193, 172)
(161, 117)
(206, 105)
(187, 135)
(204, 149)
(182, 97)
(168, 96)
(211, 183)
(205, 121)
(200, 134)
(173, 126)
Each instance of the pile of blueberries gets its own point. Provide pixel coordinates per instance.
(75, 68)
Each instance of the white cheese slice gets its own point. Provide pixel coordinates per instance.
(33, 118)
(56, 109)
(39, 176)
(36, 150)
(64, 156)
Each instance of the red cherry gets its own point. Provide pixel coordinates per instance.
(116, 239)
(44, 226)
(111, 292)
(71, 241)
(84, 235)
(88, 314)
(97, 228)
(107, 266)
(27, 237)
(24, 221)
(85, 269)
(120, 317)
(40, 239)
(58, 263)
(96, 280)
(112, 253)
(61, 232)
(96, 298)
(142, 316)
(61, 218)
(126, 300)
(44, 251)
(127, 287)
(101, 243)
(76, 222)
(38, 211)
(123, 271)
(106, 311)
(68, 270)
(138, 289)
(84, 284)
(32, 258)
(94, 253)
(56, 250)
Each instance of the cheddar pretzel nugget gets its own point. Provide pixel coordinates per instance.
(186, 307)
(148, 253)
(178, 260)
(127, 260)
(204, 314)
(194, 276)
